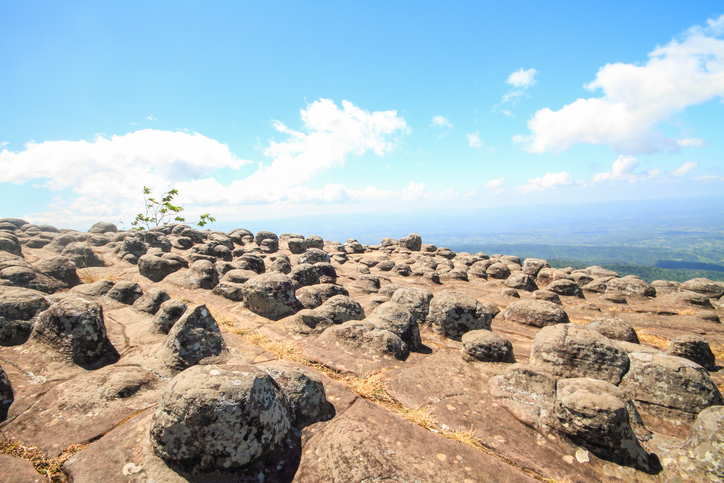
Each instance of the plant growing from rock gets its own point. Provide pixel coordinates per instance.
(164, 211)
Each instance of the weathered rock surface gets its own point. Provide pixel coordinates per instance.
(156, 268)
(6, 395)
(452, 314)
(19, 308)
(416, 300)
(526, 391)
(194, 339)
(271, 295)
(305, 393)
(703, 451)
(537, 313)
(486, 346)
(395, 318)
(125, 292)
(694, 348)
(614, 328)
(703, 286)
(167, 314)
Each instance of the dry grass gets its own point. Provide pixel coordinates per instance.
(655, 340)
(690, 311)
(718, 351)
(50, 468)
(621, 308)
(579, 321)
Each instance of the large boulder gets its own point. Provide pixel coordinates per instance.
(454, 313)
(340, 309)
(668, 386)
(219, 417)
(6, 395)
(125, 292)
(538, 313)
(569, 350)
(304, 275)
(271, 295)
(565, 287)
(60, 268)
(305, 393)
(397, 319)
(703, 451)
(521, 281)
(156, 268)
(19, 308)
(103, 227)
(82, 255)
(194, 339)
(151, 301)
(630, 285)
(74, 327)
(486, 346)
(364, 338)
(694, 348)
(614, 328)
(416, 300)
(703, 286)
(595, 414)
(412, 242)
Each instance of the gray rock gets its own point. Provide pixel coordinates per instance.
(269, 246)
(306, 322)
(525, 391)
(665, 286)
(132, 248)
(237, 235)
(281, 265)
(230, 290)
(630, 285)
(416, 300)
(313, 296)
(548, 296)
(271, 295)
(531, 266)
(569, 350)
(703, 286)
(151, 301)
(565, 287)
(326, 272)
(538, 313)
(693, 298)
(265, 235)
(361, 336)
(60, 268)
(74, 327)
(668, 386)
(454, 274)
(304, 275)
(6, 395)
(452, 314)
(305, 393)
(125, 292)
(486, 346)
(103, 227)
(397, 319)
(95, 289)
(694, 348)
(156, 268)
(445, 253)
(312, 256)
(595, 414)
(498, 271)
(194, 339)
(703, 451)
(82, 255)
(167, 315)
(340, 309)
(203, 274)
(521, 281)
(238, 275)
(614, 328)
(219, 417)
(412, 242)
(296, 245)
(211, 251)
(315, 242)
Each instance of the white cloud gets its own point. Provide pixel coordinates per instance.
(547, 182)
(691, 142)
(685, 168)
(107, 175)
(494, 184)
(151, 118)
(440, 122)
(636, 98)
(522, 78)
(708, 177)
(623, 169)
(474, 140)
(4, 143)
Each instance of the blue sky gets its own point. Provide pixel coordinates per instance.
(258, 110)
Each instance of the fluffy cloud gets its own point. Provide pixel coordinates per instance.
(623, 169)
(685, 168)
(636, 98)
(108, 174)
(547, 182)
(441, 122)
(474, 140)
(522, 78)
(494, 184)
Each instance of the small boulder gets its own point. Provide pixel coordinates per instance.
(265, 235)
(569, 350)
(306, 322)
(548, 296)
(151, 301)
(194, 339)
(538, 313)
(82, 255)
(630, 285)
(565, 287)
(167, 315)
(315, 242)
(703, 286)
(296, 245)
(531, 266)
(694, 348)
(362, 336)
(6, 395)
(340, 309)
(60, 268)
(156, 268)
(454, 313)
(203, 274)
(416, 300)
(125, 292)
(313, 255)
(95, 289)
(219, 417)
(315, 295)
(304, 275)
(499, 271)
(103, 227)
(614, 328)
(271, 295)
(397, 319)
(521, 281)
(412, 242)
(326, 272)
(305, 393)
(486, 346)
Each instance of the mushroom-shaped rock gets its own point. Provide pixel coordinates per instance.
(6, 395)
(156, 268)
(703, 286)
(531, 266)
(313, 255)
(304, 275)
(614, 328)
(703, 451)
(203, 274)
(525, 391)
(630, 284)
(548, 296)
(672, 387)
(486, 346)
(397, 319)
(340, 309)
(569, 350)
(296, 245)
(74, 327)
(167, 315)
(315, 295)
(595, 414)
(125, 292)
(362, 337)
(416, 300)
(326, 272)
(412, 242)
(271, 295)
(219, 417)
(103, 227)
(521, 281)
(454, 313)
(694, 348)
(305, 393)
(538, 313)
(498, 270)
(151, 301)
(194, 339)
(306, 322)
(566, 287)
(18, 309)
(265, 235)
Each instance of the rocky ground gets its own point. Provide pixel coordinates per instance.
(179, 355)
